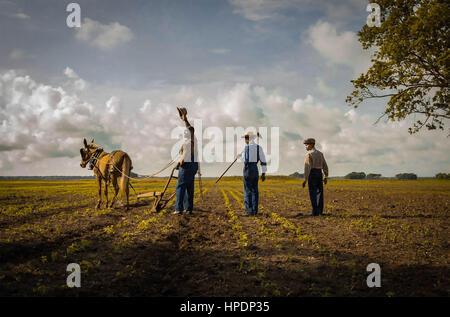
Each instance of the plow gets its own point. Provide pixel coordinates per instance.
(160, 202)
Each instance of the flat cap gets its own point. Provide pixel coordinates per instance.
(309, 141)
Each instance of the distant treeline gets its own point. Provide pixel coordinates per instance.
(401, 176)
(443, 176)
(356, 175)
(362, 175)
(53, 177)
(352, 175)
(43, 177)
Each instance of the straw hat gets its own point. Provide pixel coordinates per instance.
(250, 135)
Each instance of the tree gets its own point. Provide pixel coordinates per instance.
(411, 176)
(356, 175)
(297, 175)
(410, 63)
(443, 176)
(373, 176)
(134, 175)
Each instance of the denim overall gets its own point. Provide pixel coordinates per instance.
(251, 177)
(315, 187)
(185, 185)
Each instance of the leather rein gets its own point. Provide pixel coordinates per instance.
(93, 161)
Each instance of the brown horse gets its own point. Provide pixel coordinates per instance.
(107, 167)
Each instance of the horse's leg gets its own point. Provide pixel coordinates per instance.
(99, 200)
(127, 191)
(116, 190)
(106, 194)
(124, 182)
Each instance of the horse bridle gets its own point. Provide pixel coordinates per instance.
(93, 158)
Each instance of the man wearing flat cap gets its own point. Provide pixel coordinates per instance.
(253, 153)
(314, 164)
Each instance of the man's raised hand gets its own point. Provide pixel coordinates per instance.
(182, 112)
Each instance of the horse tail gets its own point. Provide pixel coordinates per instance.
(126, 171)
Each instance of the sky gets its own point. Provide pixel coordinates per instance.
(117, 79)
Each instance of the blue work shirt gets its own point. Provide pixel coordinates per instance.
(250, 155)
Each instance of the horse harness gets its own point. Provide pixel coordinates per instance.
(95, 157)
(93, 162)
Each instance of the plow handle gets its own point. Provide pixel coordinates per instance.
(227, 168)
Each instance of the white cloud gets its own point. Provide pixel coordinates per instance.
(79, 83)
(146, 107)
(241, 106)
(315, 118)
(338, 47)
(113, 105)
(103, 36)
(69, 72)
(351, 115)
(41, 123)
(300, 105)
(351, 141)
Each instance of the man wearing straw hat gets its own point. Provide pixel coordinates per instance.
(314, 164)
(251, 155)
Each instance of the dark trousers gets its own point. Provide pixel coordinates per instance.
(251, 177)
(315, 187)
(185, 186)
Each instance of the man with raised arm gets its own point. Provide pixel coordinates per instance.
(314, 164)
(187, 168)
